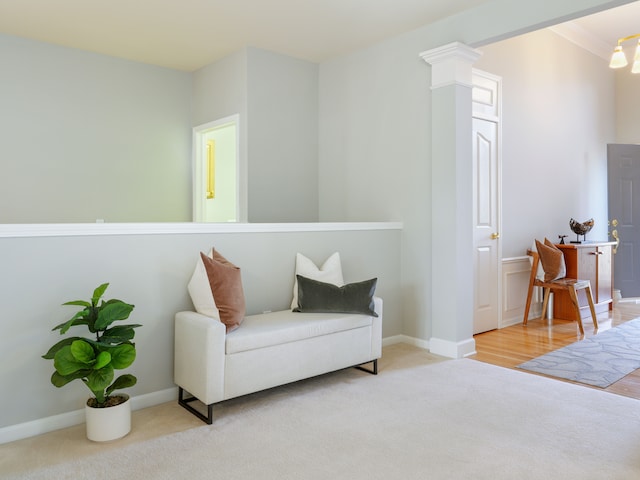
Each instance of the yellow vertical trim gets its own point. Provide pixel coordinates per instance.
(211, 169)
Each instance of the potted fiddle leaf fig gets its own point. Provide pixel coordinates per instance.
(95, 359)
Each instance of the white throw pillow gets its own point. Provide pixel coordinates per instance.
(329, 272)
(200, 290)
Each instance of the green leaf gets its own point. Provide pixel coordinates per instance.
(61, 380)
(77, 319)
(102, 360)
(98, 292)
(62, 343)
(91, 317)
(94, 360)
(111, 312)
(80, 303)
(83, 352)
(123, 381)
(119, 334)
(98, 380)
(122, 355)
(66, 364)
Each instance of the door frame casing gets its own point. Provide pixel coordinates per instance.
(626, 247)
(199, 133)
(494, 116)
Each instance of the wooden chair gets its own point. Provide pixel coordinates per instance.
(570, 285)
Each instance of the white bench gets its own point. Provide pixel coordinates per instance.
(268, 350)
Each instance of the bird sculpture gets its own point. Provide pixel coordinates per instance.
(581, 229)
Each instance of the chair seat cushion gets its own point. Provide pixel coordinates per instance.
(577, 284)
(276, 328)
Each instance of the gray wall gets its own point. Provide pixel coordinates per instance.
(374, 155)
(85, 136)
(277, 99)
(152, 272)
(374, 163)
(219, 91)
(283, 138)
(375, 126)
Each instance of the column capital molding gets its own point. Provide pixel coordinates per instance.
(451, 64)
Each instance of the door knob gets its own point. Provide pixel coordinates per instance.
(495, 236)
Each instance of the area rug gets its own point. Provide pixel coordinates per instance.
(454, 419)
(599, 360)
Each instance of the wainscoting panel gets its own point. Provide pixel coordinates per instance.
(515, 281)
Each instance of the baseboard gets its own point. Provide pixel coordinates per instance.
(70, 419)
(436, 346)
(416, 342)
(450, 349)
(511, 321)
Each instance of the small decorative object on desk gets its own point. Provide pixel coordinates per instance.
(581, 229)
(562, 237)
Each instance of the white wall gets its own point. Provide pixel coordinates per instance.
(627, 106)
(558, 116)
(86, 136)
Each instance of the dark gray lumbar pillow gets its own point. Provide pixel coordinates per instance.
(321, 297)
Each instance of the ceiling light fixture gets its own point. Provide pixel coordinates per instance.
(619, 59)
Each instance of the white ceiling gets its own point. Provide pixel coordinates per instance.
(188, 34)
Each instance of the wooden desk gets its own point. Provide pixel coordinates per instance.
(587, 261)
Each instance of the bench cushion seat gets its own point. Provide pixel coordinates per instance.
(276, 328)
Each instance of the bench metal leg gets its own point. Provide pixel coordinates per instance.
(208, 418)
(185, 403)
(374, 367)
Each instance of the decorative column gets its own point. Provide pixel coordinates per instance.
(452, 277)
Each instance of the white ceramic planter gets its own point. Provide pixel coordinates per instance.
(111, 423)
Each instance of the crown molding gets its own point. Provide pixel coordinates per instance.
(578, 35)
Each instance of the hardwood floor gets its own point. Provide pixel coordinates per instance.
(508, 347)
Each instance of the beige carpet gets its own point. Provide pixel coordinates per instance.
(458, 419)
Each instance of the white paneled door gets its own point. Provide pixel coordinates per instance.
(486, 197)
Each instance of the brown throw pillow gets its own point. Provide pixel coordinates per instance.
(226, 287)
(552, 261)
